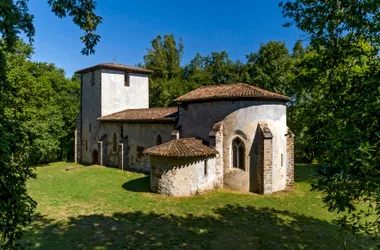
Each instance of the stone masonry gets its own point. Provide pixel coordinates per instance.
(102, 149)
(228, 135)
(216, 142)
(265, 161)
(78, 139)
(290, 158)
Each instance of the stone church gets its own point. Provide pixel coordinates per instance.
(231, 135)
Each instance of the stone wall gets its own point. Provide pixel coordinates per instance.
(78, 139)
(198, 119)
(182, 176)
(102, 149)
(290, 159)
(266, 162)
(216, 142)
(103, 92)
(134, 137)
(243, 123)
(90, 110)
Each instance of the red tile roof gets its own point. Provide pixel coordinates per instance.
(114, 66)
(150, 115)
(182, 147)
(231, 91)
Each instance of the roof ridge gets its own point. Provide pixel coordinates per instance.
(118, 112)
(234, 90)
(163, 114)
(116, 66)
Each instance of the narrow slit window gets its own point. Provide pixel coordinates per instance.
(89, 127)
(282, 160)
(126, 80)
(205, 168)
(114, 143)
(158, 140)
(86, 146)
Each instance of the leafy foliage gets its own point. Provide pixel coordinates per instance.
(15, 18)
(83, 15)
(45, 104)
(39, 113)
(28, 94)
(343, 104)
(271, 67)
(171, 80)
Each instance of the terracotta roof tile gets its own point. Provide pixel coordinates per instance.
(142, 115)
(230, 91)
(182, 147)
(114, 66)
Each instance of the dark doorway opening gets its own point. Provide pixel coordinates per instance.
(95, 157)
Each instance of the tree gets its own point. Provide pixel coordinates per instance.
(221, 68)
(44, 103)
(344, 100)
(271, 67)
(16, 206)
(196, 71)
(216, 68)
(164, 58)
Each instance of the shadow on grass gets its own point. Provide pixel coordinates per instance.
(303, 173)
(306, 173)
(138, 185)
(231, 227)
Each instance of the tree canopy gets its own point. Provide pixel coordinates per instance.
(333, 82)
(33, 128)
(343, 103)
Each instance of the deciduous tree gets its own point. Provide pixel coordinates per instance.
(16, 158)
(344, 100)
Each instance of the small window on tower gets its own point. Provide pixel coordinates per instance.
(89, 127)
(126, 80)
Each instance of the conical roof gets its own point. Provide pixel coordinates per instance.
(183, 147)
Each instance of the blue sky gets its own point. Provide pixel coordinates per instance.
(128, 27)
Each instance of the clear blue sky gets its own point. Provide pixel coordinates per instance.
(128, 27)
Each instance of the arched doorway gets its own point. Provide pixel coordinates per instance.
(95, 157)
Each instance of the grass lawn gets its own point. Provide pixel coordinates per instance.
(105, 208)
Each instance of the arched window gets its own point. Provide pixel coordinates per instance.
(114, 143)
(238, 154)
(158, 140)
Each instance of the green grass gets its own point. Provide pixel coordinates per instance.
(105, 208)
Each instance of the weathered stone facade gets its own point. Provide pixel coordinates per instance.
(216, 142)
(265, 160)
(131, 140)
(103, 92)
(243, 124)
(290, 159)
(78, 139)
(182, 176)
